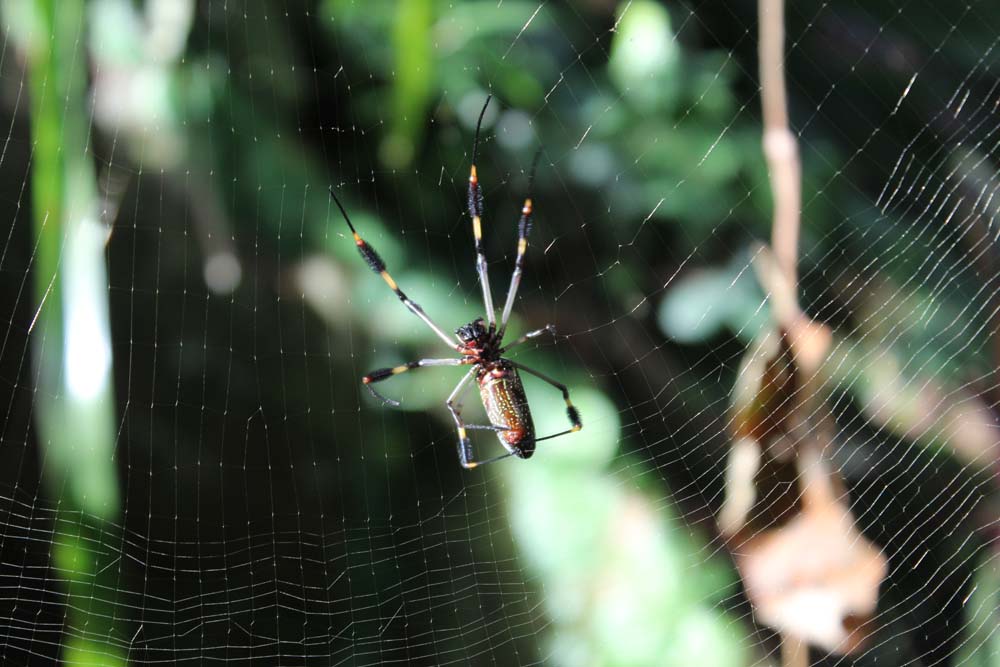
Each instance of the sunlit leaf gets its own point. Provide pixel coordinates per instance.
(644, 55)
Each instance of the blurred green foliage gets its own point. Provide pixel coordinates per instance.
(615, 565)
(72, 346)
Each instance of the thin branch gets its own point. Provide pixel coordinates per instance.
(794, 651)
(780, 147)
(782, 155)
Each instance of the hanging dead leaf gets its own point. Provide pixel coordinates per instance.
(777, 403)
(816, 577)
(761, 467)
(764, 396)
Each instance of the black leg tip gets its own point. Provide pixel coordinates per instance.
(574, 417)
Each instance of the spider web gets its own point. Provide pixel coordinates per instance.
(271, 511)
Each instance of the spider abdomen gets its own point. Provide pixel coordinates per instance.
(507, 407)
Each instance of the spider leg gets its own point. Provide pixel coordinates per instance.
(476, 213)
(386, 373)
(465, 455)
(469, 464)
(571, 412)
(378, 266)
(551, 328)
(523, 229)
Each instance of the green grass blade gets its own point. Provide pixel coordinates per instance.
(71, 337)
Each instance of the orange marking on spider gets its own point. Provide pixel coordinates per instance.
(481, 346)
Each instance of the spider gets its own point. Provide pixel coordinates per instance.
(479, 344)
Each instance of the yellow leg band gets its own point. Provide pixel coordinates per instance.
(388, 280)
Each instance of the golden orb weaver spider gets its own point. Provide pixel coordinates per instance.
(500, 386)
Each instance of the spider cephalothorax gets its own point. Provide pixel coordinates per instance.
(473, 333)
(480, 343)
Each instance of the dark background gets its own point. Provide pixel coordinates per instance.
(271, 511)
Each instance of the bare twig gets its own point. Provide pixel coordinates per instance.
(772, 276)
(781, 153)
(794, 651)
(780, 147)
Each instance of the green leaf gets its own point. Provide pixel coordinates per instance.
(696, 307)
(414, 79)
(71, 338)
(704, 303)
(980, 645)
(645, 57)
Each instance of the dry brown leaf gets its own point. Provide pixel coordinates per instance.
(808, 571)
(767, 425)
(764, 396)
(816, 577)
(741, 493)
(810, 342)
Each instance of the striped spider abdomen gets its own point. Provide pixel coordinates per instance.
(506, 404)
